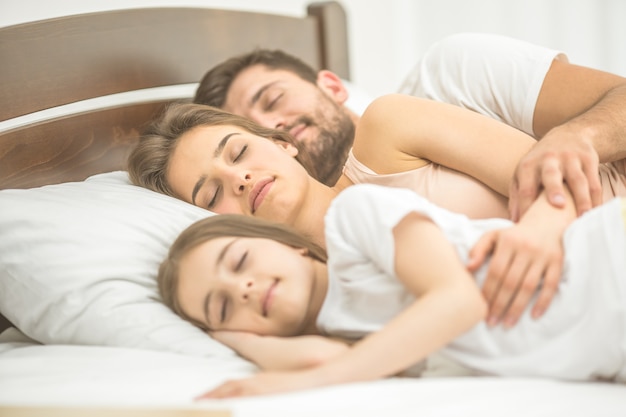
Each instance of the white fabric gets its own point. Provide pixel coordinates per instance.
(581, 336)
(78, 263)
(119, 377)
(494, 75)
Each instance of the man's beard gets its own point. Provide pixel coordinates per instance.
(329, 151)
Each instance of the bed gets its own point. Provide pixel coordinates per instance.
(83, 331)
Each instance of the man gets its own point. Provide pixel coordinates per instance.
(578, 113)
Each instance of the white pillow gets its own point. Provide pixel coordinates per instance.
(78, 265)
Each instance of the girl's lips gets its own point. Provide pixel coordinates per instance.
(269, 296)
(258, 193)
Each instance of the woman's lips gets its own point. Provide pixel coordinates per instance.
(269, 296)
(258, 193)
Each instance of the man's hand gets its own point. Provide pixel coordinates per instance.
(560, 158)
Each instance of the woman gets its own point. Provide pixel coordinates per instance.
(223, 163)
(395, 283)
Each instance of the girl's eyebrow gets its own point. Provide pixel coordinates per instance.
(207, 299)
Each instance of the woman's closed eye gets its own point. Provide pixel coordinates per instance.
(240, 153)
(215, 198)
(240, 264)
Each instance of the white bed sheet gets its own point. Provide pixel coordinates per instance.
(60, 375)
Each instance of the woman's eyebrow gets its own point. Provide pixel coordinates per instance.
(222, 144)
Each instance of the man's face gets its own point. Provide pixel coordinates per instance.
(315, 117)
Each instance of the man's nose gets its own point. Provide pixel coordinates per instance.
(273, 121)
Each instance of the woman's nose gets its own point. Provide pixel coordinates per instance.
(235, 178)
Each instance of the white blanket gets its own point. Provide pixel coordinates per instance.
(60, 375)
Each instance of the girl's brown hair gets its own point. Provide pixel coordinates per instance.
(223, 225)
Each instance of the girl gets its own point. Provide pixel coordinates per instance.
(395, 283)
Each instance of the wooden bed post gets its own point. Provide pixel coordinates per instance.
(333, 36)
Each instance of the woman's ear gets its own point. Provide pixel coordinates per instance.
(332, 86)
(303, 251)
(287, 147)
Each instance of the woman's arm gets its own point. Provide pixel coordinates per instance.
(449, 303)
(513, 276)
(398, 133)
(272, 353)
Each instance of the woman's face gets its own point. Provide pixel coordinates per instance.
(250, 284)
(226, 169)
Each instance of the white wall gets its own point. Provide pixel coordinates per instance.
(388, 36)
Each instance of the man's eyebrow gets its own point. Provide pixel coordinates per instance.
(217, 153)
(259, 93)
(207, 299)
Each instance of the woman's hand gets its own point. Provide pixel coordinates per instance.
(526, 257)
(521, 264)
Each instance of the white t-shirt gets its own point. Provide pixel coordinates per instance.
(494, 75)
(581, 336)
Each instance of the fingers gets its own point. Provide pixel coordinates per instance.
(551, 168)
(549, 287)
(514, 277)
(524, 188)
(552, 181)
(481, 250)
(228, 389)
(524, 287)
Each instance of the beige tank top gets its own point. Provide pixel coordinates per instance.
(461, 193)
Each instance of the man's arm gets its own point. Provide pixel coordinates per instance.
(580, 117)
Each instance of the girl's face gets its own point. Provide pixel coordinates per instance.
(251, 284)
(228, 170)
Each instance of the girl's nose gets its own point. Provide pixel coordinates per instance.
(246, 286)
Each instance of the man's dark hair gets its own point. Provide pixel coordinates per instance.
(216, 82)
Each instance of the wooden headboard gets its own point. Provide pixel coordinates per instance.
(57, 62)
(68, 85)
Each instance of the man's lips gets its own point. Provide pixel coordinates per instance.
(297, 130)
(258, 193)
(269, 296)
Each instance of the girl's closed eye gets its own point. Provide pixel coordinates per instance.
(223, 310)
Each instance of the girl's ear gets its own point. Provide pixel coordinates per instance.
(332, 86)
(287, 147)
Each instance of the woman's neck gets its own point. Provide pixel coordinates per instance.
(310, 219)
